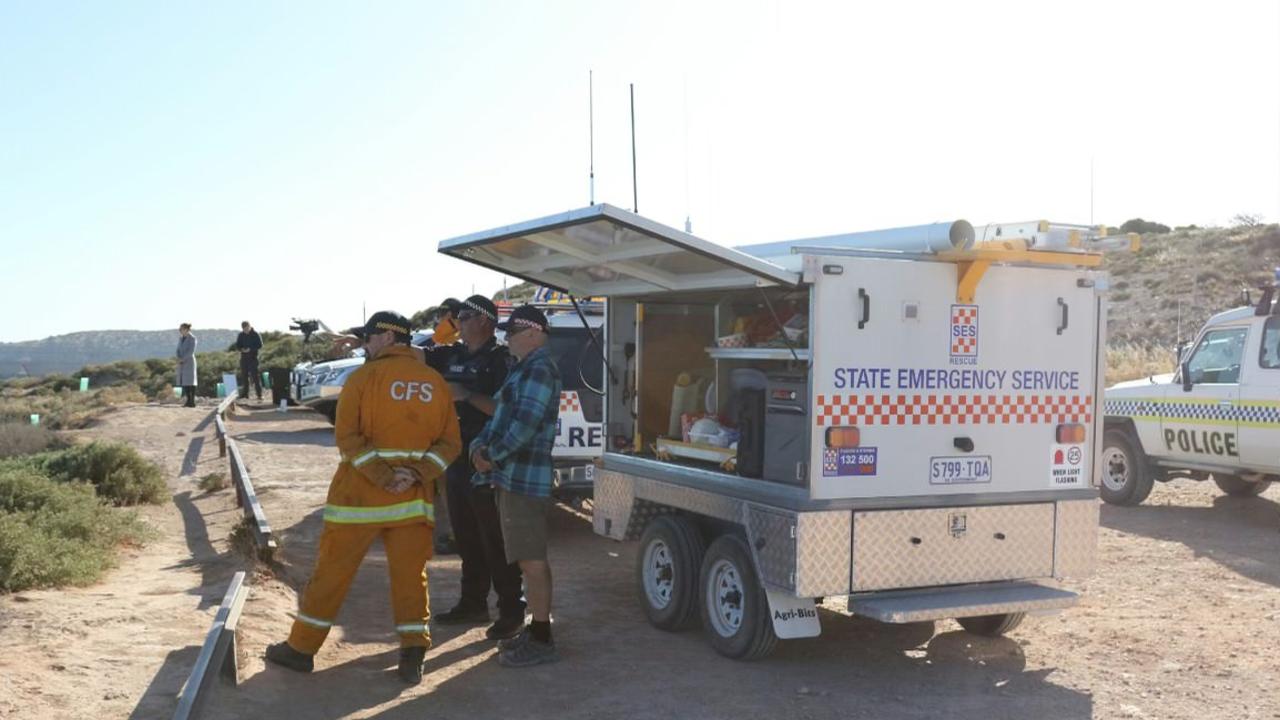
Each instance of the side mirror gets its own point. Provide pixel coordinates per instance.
(1185, 369)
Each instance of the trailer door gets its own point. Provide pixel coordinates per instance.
(917, 395)
(602, 251)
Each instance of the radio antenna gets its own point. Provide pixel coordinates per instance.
(635, 202)
(591, 135)
(688, 218)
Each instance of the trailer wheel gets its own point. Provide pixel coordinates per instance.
(667, 568)
(991, 625)
(1238, 486)
(735, 611)
(1125, 479)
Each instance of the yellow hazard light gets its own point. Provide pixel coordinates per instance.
(843, 437)
(1070, 433)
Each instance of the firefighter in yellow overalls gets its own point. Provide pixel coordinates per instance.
(397, 432)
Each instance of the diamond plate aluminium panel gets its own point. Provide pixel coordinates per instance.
(700, 502)
(641, 513)
(771, 534)
(824, 541)
(612, 502)
(1075, 538)
(947, 546)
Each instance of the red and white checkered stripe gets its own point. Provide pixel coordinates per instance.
(864, 410)
(569, 402)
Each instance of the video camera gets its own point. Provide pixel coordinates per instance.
(306, 327)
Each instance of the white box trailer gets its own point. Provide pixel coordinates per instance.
(923, 445)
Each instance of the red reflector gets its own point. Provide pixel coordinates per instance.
(1070, 433)
(843, 437)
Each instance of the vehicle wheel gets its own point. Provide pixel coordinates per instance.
(1125, 479)
(991, 625)
(330, 411)
(1238, 486)
(667, 568)
(735, 611)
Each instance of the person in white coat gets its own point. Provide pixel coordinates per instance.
(186, 376)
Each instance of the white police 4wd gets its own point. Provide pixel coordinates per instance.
(1218, 416)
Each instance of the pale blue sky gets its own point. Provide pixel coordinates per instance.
(159, 160)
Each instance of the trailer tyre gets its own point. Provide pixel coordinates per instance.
(1125, 479)
(735, 611)
(991, 625)
(667, 570)
(1238, 486)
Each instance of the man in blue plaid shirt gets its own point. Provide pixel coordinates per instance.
(513, 453)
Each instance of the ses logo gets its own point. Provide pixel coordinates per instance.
(964, 335)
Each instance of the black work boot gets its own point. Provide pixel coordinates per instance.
(505, 627)
(463, 614)
(284, 655)
(411, 659)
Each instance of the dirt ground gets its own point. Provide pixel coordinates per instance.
(1181, 620)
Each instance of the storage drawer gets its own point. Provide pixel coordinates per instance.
(947, 546)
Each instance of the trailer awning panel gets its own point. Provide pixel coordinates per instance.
(605, 251)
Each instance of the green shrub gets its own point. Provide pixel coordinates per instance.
(117, 471)
(22, 438)
(56, 533)
(213, 482)
(211, 366)
(1144, 227)
(241, 540)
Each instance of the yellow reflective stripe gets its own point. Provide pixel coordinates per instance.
(414, 628)
(350, 515)
(438, 460)
(314, 622)
(362, 459)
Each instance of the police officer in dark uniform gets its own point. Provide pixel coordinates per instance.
(475, 368)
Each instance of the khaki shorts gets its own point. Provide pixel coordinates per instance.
(524, 525)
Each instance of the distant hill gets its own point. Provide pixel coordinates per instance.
(1189, 274)
(69, 353)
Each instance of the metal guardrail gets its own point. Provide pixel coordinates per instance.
(220, 422)
(218, 655)
(246, 498)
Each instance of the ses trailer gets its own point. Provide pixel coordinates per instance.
(904, 418)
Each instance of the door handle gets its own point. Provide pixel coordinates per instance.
(1065, 315)
(866, 307)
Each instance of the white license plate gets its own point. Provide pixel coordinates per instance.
(310, 392)
(959, 469)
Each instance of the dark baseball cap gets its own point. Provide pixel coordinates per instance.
(451, 304)
(382, 321)
(482, 305)
(525, 316)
